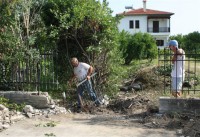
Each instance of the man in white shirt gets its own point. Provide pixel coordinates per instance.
(83, 71)
(178, 70)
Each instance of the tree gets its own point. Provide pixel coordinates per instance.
(21, 25)
(179, 38)
(150, 48)
(137, 46)
(85, 29)
(192, 42)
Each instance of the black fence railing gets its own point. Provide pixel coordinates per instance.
(158, 29)
(191, 82)
(30, 74)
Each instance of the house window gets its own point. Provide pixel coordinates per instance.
(137, 24)
(160, 42)
(131, 24)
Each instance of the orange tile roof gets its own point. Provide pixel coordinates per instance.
(147, 12)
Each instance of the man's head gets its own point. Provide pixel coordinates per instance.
(173, 44)
(74, 62)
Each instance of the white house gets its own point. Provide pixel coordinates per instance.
(154, 22)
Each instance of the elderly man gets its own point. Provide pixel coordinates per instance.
(83, 71)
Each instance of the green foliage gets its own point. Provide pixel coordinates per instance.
(50, 135)
(81, 32)
(150, 48)
(124, 38)
(10, 105)
(137, 46)
(21, 28)
(164, 70)
(49, 124)
(21, 23)
(119, 72)
(180, 38)
(23, 37)
(192, 43)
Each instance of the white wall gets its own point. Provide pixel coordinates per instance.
(124, 24)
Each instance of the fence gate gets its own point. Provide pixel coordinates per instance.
(191, 84)
(30, 75)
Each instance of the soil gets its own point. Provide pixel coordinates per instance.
(131, 113)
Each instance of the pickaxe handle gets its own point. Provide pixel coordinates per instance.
(81, 103)
(85, 80)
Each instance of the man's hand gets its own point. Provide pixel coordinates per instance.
(90, 70)
(88, 77)
(70, 82)
(174, 58)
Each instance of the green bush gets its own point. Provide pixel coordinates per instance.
(137, 46)
(10, 105)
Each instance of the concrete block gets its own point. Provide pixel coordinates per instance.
(167, 105)
(29, 98)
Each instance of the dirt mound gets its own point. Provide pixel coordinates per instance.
(146, 78)
(130, 105)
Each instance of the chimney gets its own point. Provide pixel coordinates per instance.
(144, 5)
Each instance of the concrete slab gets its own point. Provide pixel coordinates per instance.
(188, 105)
(43, 100)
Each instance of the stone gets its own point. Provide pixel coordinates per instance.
(28, 108)
(30, 115)
(1, 126)
(2, 107)
(7, 120)
(179, 131)
(5, 126)
(16, 118)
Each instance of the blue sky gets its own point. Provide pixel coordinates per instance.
(186, 18)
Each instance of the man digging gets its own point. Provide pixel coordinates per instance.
(83, 71)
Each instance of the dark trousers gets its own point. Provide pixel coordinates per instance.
(87, 85)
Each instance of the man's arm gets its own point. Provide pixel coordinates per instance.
(174, 58)
(71, 79)
(90, 71)
(178, 52)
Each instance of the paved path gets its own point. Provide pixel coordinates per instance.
(77, 125)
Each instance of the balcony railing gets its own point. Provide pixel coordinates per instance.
(158, 30)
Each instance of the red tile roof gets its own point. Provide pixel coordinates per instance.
(147, 12)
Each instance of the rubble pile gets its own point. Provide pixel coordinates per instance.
(192, 128)
(8, 117)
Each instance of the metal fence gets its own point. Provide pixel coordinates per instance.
(30, 75)
(191, 83)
